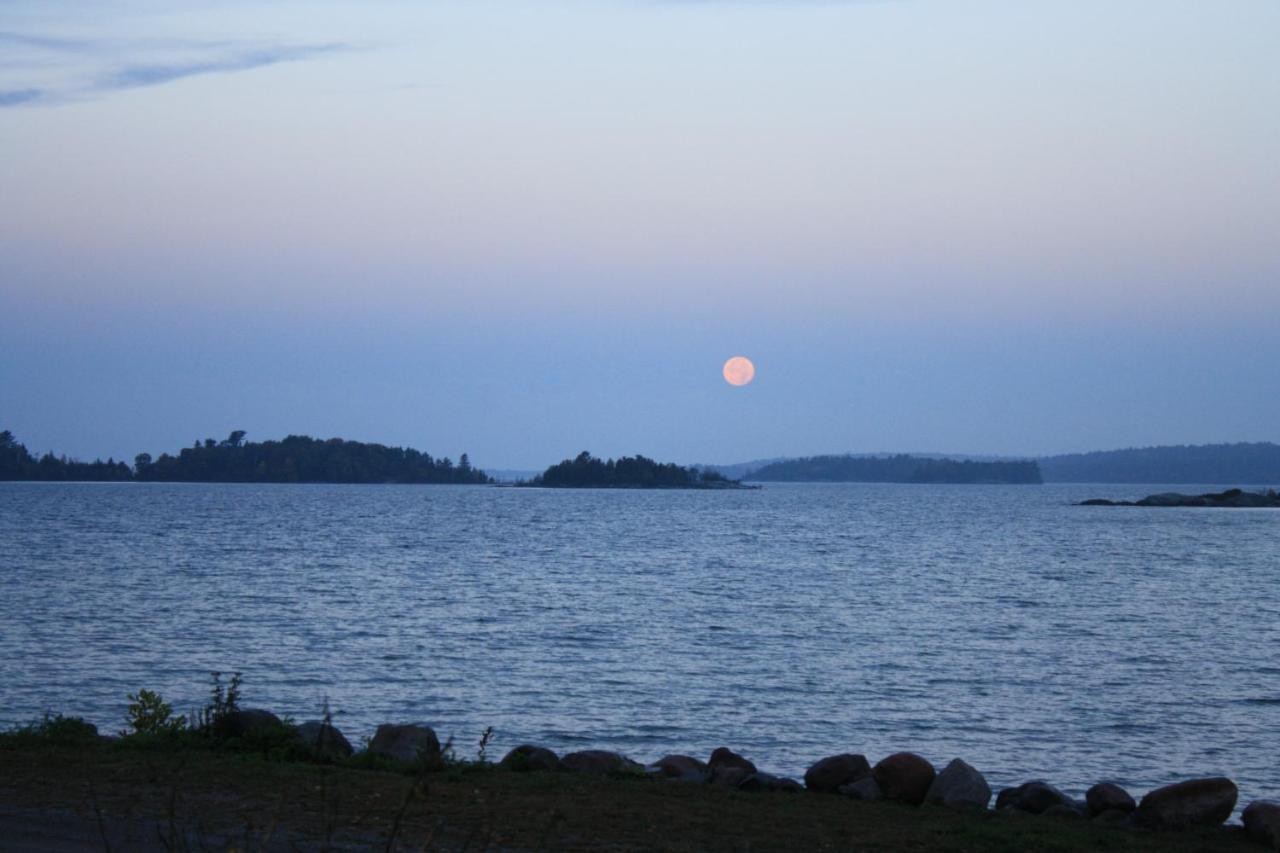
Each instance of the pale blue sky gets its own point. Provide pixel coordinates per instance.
(522, 229)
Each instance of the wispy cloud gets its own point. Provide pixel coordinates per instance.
(102, 66)
(14, 97)
(135, 76)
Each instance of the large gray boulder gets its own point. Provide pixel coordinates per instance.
(959, 786)
(527, 757)
(904, 777)
(1196, 802)
(1035, 797)
(600, 762)
(1107, 797)
(247, 722)
(827, 775)
(324, 738)
(1262, 821)
(408, 742)
(679, 768)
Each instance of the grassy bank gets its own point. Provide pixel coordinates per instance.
(98, 794)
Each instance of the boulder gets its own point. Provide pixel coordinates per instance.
(1035, 797)
(1115, 817)
(1108, 796)
(679, 768)
(905, 777)
(527, 757)
(599, 761)
(729, 769)
(959, 786)
(1196, 802)
(864, 789)
(787, 785)
(1262, 822)
(725, 757)
(409, 742)
(827, 775)
(324, 739)
(249, 721)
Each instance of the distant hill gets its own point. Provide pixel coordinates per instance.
(901, 468)
(1229, 464)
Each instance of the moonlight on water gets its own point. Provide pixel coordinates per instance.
(739, 370)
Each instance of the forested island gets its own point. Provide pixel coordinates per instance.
(627, 472)
(296, 459)
(901, 468)
(1255, 463)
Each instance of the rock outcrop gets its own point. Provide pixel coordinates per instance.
(408, 742)
(1196, 802)
(1035, 797)
(904, 777)
(729, 769)
(1262, 822)
(247, 722)
(600, 762)
(1231, 499)
(679, 768)
(864, 789)
(1106, 797)
(827, 775)
(527, 757)
(324, 738)
(959, 786)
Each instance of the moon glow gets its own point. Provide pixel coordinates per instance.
(739, 370)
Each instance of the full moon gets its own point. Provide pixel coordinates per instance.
(739, 370)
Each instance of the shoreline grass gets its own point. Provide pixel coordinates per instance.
(98, 793)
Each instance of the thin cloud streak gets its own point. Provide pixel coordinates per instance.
(16, 97)
(137, 76)
(114, 65)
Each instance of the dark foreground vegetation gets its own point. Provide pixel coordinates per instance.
(627, 472)
(902, 468)
(1230, 499)
(228, 777)
(296, 459)
(1254, 464)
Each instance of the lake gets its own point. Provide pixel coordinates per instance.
(999, 624)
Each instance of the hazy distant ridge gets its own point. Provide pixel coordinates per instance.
(897, 469)
(1230, 464)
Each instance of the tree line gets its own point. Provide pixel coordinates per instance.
(902, 468)
(1256, 463)
(627, 472)
(17, 463)
(295, 459)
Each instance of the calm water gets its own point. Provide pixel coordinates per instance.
(999, 624)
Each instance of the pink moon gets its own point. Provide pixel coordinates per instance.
(739, 370)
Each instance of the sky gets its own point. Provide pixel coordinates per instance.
(527, 228)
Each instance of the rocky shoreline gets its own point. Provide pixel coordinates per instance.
(904, 777)
(1230, 499)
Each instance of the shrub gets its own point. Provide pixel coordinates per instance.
(148, 714)
(55, 729)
